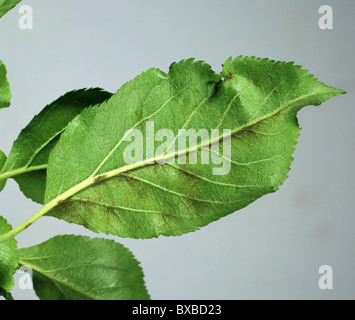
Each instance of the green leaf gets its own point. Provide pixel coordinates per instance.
(8, 258)
(79, 268)
(7, 5)
(2, 162)
(28, 158)
(5, 93)
(91, 184)
(7, 295)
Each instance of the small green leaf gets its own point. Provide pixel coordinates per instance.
(253, 107)
(2, 162)
(7, 5)
(5, 93)
(8, 258)
(7, 295)
(79, 268)
(28, 157)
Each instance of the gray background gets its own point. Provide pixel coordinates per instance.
(269, 250)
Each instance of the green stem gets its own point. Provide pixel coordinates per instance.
(17, 172)
(23, 226)
(46, 208)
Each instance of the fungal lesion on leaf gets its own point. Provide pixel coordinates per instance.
(228, 76)
(100, 178)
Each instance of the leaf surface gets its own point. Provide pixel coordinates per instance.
(2, 162)
(8, 258)
(7, 295)
(253, 103)
(5, 93)
(28, 157)
(7, 5)
(79, 268)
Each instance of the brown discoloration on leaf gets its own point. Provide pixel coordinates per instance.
(133, 183)
(67, 211)
(61, 201)
(228, 76)
(100, 178)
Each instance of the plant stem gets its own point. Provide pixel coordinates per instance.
(46, 208)
(17, 172)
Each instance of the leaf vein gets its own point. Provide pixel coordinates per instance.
(208, 180)
(116, 206)
(174, 192)
(136, 125)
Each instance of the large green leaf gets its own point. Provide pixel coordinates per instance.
(90, 182)
(7, 5)
(79, 268)
(8, 258)
(5, 93)
(28, 158)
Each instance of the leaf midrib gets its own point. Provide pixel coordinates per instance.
(27, 167)
(136, 125)
(112, 173)
(42, 147)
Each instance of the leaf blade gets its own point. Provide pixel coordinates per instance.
(7, 5)
(30, 151)
(8, 258)
(5, 93)
(76, 267)
(3, 159)
(257, 101)
(7, 295)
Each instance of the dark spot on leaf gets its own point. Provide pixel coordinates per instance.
(277, 114)
(187, 173)
(229, 76)
(100, 178)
